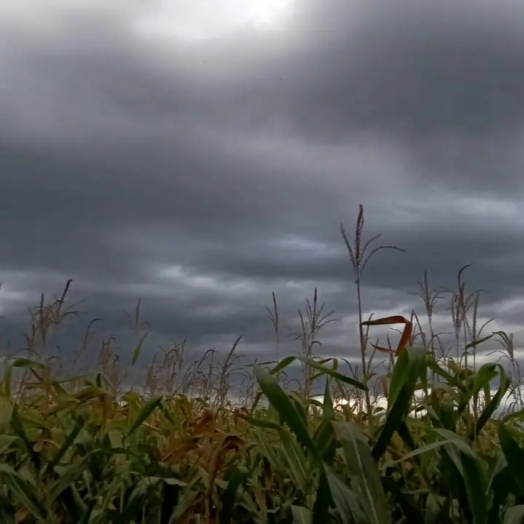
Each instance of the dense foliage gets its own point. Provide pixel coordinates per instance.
(433, 458)
(428, 438)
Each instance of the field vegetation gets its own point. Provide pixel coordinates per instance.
(432, 436)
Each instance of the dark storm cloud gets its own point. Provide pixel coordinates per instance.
(444, 80)
(121, 157)
(418, 68)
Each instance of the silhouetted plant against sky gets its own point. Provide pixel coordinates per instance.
(360, 255)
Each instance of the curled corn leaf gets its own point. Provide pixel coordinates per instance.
(404, 339)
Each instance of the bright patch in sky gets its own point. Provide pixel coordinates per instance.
(198, 20)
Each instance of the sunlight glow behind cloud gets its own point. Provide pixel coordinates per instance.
(200, 20)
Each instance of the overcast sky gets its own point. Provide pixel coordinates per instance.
(200, 155)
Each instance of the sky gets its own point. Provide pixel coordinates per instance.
(201, 155)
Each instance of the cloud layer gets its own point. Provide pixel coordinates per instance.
(201, 175)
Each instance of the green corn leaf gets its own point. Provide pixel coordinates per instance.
(406, 372)
(18, 363)
(26, 363)
(495, 401)
(18, 427)
(6, 411)
(473, 472)
(422, 450)
(284, 363)
(324, 370)
(6, 441)
(324, 439)
(514, 515)
(295, 459)
(146, 410)
(436, 510)
(138, 349)
(67, 444)
(260, 423)
(475, 343)
(330, 372)
(346, 501)
(301, 515)
(67, 476)
(23, 492)
(365, 480)
(448, 377)
(323, 499)
(267, 449)
(234, 478)
(86, 517)
(514, 456)
(328, 411)
(285, 407)
(76, 507)
(500, 485)
(409, 367)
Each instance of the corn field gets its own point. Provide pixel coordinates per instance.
(429, 438)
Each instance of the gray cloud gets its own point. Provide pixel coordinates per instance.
(201, 176)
